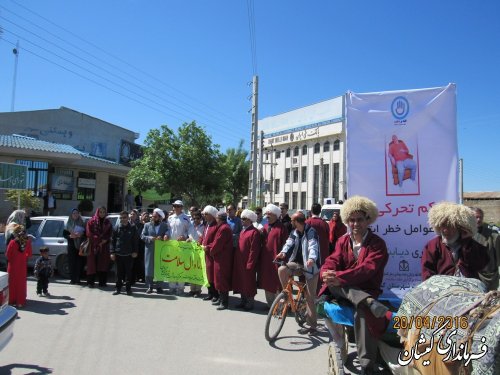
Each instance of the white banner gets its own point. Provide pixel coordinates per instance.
(402, 154)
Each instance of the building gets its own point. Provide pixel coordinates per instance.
(488, 201)
(302, 155)
(75, 155)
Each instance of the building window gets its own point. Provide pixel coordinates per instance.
(277, 186)
(304, 174)
(277, 155)
(296, 151)
(316, 148)
(303, 199)
(326, 146)
(287, 197)
(37, 178)
(294, 200)
(295, 174)
(304, 150)
(267, 156)
(336, 145)
(86, 192)
(326, 179)
(316, 184)
(287, 175)
(336, 179)
(288, 152)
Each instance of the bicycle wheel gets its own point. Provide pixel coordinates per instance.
(276, 316)
(301, 312)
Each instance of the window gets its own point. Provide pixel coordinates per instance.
(316, 148)
(296, 151)
(287, 152)
(304, 174)
(295, 174)
(326, 146)
(53, 228)
(277, 186)
(84, 192)
(37, 178)
(336, 145)
(303, 200)
(277, 155)
(304, 150)
(336, 181)
(326, 178)
(287, 197)
(287, 175)
(267, 156)
(294, 200)
(33, 229)
(316, 183)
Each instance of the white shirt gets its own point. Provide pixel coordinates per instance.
(179, 225)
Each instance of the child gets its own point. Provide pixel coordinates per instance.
(43, 270)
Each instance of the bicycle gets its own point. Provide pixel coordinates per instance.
(285, 301)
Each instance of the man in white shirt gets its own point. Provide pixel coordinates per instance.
(179, 230)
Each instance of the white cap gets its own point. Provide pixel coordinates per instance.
(178, 203)
(159, 212)
(211, 210)
(272, 208)
(249, 214)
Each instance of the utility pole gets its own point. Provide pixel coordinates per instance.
(261, 174)
(461, 180)
(252, 193)
(16, 53)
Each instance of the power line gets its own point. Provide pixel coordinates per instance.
(251, 28)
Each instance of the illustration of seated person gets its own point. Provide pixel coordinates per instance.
(403, 165)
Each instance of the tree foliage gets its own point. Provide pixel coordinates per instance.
(236, 167)
(27, 199)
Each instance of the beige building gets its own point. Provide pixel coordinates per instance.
(303, 155)
(488, 201)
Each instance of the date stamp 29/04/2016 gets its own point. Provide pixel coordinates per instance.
(428, 322)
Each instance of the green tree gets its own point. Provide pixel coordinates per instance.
(27, 199)
(237, 168)
(185, 164)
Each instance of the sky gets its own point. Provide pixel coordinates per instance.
(143, 64)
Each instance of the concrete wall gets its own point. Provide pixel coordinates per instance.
(491, 208)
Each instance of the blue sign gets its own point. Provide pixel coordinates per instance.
(400, 107)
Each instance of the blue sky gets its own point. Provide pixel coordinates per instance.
(169, 62)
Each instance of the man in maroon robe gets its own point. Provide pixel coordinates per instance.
(337, 229)
(210, 213)
(321, 227)
(275, 235)
(453, 252)
(354, 272)
(245, 261)
(221, 250)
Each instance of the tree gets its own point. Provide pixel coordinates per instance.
(237, 168)
(186, 164)
(28, 201)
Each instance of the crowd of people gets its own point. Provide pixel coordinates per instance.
(339, 261)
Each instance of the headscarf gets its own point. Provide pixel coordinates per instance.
(17, 217)
(70, 225)
(99, 226)
(20, 236)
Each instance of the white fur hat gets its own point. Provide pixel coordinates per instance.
(453, 214)
(249, 214)
(273, 209)
(210, 210)
(358, 203)
(160, 212)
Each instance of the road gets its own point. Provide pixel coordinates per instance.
(89, 331)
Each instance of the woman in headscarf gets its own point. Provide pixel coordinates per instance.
(16, 217)
(99, 231)
(75, 233)
(18, 252)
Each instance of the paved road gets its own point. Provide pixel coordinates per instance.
(89, 331)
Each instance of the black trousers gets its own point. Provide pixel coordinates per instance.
(124, 265)
(42, 284)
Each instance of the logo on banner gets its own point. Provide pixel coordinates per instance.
(400, 108)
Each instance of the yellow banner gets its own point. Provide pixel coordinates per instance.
(180, 261)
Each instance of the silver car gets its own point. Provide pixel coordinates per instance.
(8, 314)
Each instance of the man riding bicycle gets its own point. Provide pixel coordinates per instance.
(354, 273)
(302, 248)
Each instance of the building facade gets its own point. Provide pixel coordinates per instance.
(302, 155)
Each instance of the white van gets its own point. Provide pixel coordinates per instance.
(327, 211)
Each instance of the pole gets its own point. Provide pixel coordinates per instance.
(461, 180)
(16, 53)
(261, 175)
(254, 144)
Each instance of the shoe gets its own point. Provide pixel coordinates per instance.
(222, 307)
(215, 299)
(116, 292)
(216, 302)
(103, 285)
(197, 294)
(39, 294)
(149, 291)
(46, 294)
(241, 304)
(248, 306)
(208, 298)
(91, 286)
(159, 291)
(308, 331)
(129, 292)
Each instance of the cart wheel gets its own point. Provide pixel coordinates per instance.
(335, 363)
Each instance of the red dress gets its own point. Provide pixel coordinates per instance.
(17, 269)
(221, 250)
(98, 230)
(246, 257)
(267, 275)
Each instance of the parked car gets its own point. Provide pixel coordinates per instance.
(8, 314)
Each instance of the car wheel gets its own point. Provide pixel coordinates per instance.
(63, 266)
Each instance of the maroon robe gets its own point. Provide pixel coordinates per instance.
(337, 230)
(323, 231)
(365, 273)
(221, 250)
(275, 236)
(438, 260)
(207, 241)
(98, 230)
(245, 262)
(17, 269)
